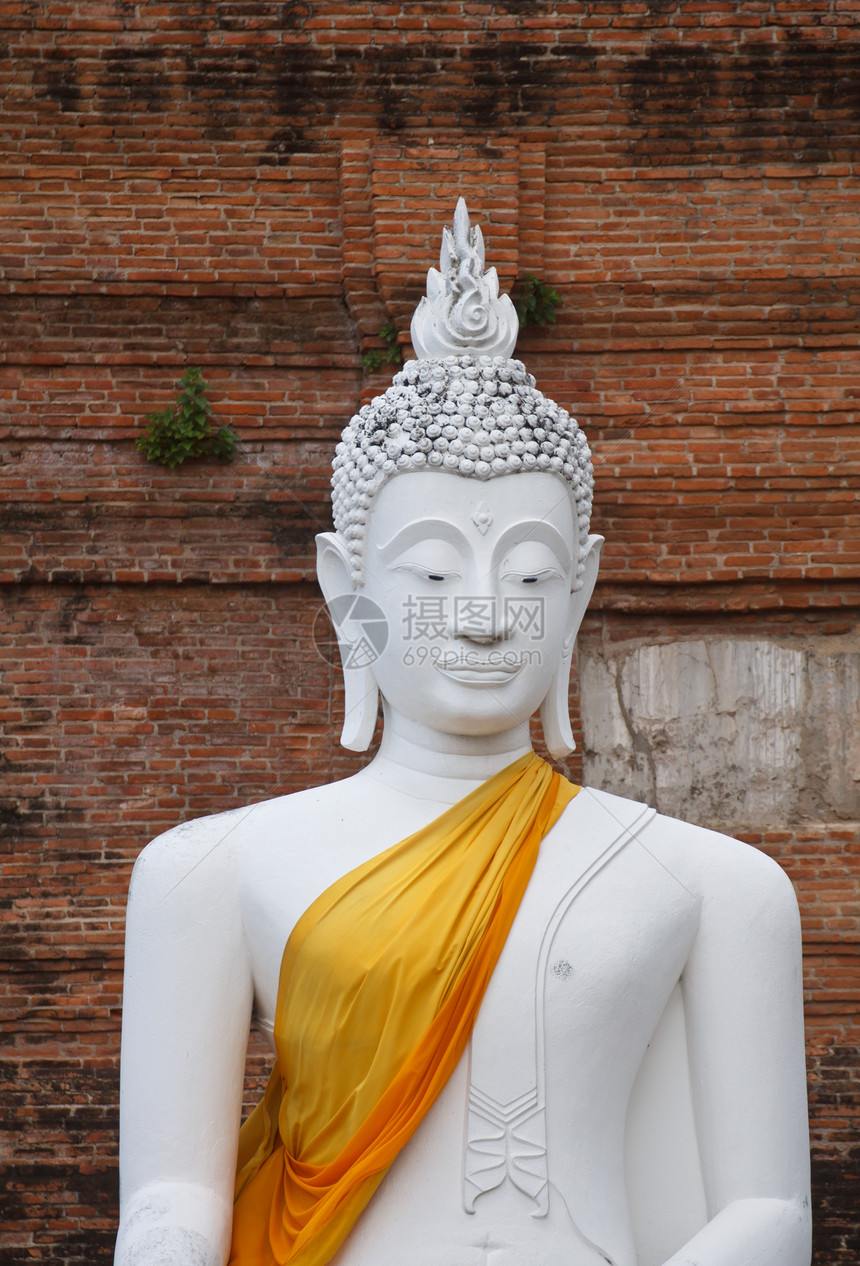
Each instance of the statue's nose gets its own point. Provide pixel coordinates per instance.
(481, 617)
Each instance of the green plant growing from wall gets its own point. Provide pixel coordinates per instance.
(535, 301)
(391, 355)
(184, 430)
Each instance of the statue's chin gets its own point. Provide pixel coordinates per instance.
(474, 718)
(475, 727)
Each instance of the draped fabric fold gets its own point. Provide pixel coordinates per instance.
(380, 984)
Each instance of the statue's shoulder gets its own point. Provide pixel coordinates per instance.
(719, 865)
(708, 862)
(209, 848)
(188, 853)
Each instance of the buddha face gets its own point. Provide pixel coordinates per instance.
(474, 579)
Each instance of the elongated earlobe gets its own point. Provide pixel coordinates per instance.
(361, 695)
(361, 706)
(554, 711)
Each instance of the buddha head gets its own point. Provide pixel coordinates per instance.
(461, 503)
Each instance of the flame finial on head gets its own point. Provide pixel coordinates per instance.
(463, 310)
(463, 406)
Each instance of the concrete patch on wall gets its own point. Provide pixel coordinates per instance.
(727, 732)
(833, 749)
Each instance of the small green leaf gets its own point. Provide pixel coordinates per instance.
(535, 302)
(184, 431)
(391, 355)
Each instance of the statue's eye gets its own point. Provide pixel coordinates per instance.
(435, 560)
(531, 562)
(531, 577)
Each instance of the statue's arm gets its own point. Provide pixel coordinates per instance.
(187, 1000)
(743, 1002)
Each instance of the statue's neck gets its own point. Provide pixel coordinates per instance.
(427, 765)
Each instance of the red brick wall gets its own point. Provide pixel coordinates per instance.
(256, 188)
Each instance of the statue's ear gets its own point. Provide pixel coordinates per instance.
(581, 597)
(361, 704)
(554, 714)
(334, 571)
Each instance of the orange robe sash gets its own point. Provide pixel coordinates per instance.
(380, 985)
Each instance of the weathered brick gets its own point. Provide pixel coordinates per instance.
(253, 189)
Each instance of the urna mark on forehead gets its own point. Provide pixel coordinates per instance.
(474, 412)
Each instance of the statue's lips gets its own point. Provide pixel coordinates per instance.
(478, 674)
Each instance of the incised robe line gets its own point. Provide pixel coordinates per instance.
(506, 1126)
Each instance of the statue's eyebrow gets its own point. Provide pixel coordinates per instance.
(535, 530)
(420, 530)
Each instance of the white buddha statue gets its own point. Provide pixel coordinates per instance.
(629, 1087)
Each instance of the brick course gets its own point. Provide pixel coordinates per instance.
(256, 189)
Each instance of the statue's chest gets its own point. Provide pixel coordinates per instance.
(596, 948)
(598, 945)
(280, 881)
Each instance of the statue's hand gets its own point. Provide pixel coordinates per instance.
(174, 1224)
